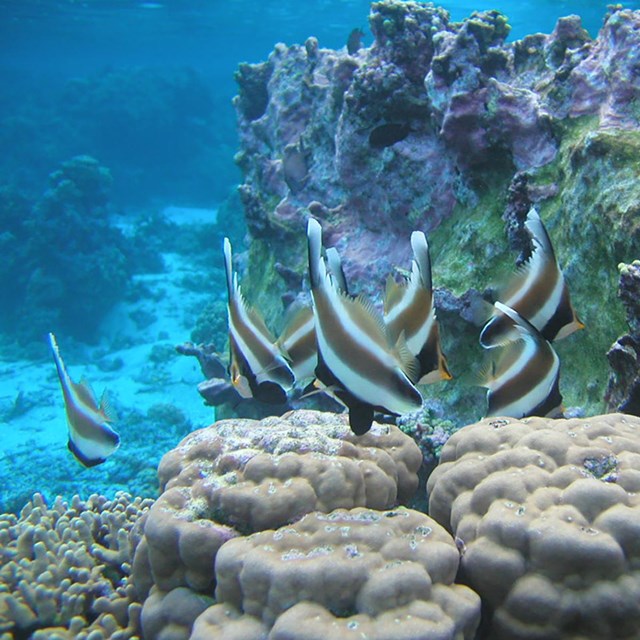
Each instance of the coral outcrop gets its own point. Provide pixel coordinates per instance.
(64, 569)
(547, 515)
(375, 574)
(242, 476)
(426, 129)
(623, 391)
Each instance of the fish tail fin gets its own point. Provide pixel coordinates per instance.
(420, 248)
(314, 242)
(228, 267)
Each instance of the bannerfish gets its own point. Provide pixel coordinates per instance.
(354, 41)
(336, 270)
(91, 438)
(388, 134)
(355, 359)
(524, 379)
(409, 310)
(538, 293)
(256, 367)
(298, 342)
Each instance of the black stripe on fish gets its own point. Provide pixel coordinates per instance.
(524, 380)
(254, 357)
(538, 293)
(354, 354)
(409, 311)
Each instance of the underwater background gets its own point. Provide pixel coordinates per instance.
(129, 151)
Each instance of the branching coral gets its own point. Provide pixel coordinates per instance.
(64, 569)
(548, 516)
(377, 574)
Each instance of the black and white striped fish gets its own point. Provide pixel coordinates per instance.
(256, 367)
(298, 343)
(355, 359)
(409, 311)
(538, 293)
(523, 380)
(91, 438)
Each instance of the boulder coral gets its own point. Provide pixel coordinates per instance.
(547, 515)
(242, 476)
(64, 569)
(374, 574)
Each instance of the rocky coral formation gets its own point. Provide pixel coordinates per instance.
(547, 514)
(426, 129)
(623, 391)
(64, 569)
(379, 574)
(241, 476)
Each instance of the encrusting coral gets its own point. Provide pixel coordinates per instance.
(547, 514)
(241, 476)
(375, 574)
(64, 569)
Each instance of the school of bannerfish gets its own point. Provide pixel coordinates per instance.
(372, 362)
(367, 361)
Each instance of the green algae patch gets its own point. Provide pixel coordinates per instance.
(594, 223)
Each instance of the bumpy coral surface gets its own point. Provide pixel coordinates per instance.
(240, 476)
(547, 514)
(373, 574)
(64, 569)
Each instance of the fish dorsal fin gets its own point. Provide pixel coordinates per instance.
(107, 408)
(369, 317)
(228, 268)
(538, 232)
(422, 259)
(254, 316)
(522, 325)
(335, 267)
(85, 393)
(295, 318)
(409, 363)
(394, 292)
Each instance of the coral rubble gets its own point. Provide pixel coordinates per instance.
(426, 129)
(546, 513)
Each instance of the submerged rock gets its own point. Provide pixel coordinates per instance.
(427, 129)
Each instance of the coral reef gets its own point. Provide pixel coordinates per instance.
(380, 574)
(77, 259)
(547, 516)
(242, 476)
(427, 129)
(623, 391)
(162, 130)
(64, 569)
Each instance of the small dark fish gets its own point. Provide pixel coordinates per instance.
(409, 311)
(295, 166)
(354, 41)
(91, 438)
(524, 379)
(356, 361)
(538, 293)
(256, 366)
(387, 134)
